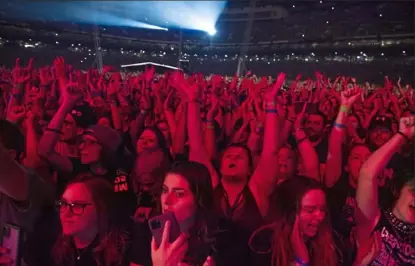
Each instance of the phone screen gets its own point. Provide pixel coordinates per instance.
(11, 237)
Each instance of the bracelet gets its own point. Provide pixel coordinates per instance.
(301, 262)
(270, 104)
(403, 135)
(210, 127)
(338, 125)
(271, 111)
(53, 130)
(343, 108)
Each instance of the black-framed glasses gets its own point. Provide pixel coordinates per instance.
(76, 208)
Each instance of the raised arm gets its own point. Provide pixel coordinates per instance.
(367, 211)
(180, 133)
(197, 151)
(210, 128)
(334, 161)
(46, 147)
(307, 152)
(264, 179)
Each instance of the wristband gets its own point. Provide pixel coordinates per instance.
(403, 135)
(113, 102)
(95, 94)
(53, 130)
(301, 262)
(270, 104)
(271, 111)
(344, 109)
(338, 125)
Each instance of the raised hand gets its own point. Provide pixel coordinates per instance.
(59, 65)
(271, 95)
(190, 93)
(407, 126)
(20, 75)
(45, 76)
(169, 254)
(349, 96)
(72, 93)
(16, 114)
(298, 123)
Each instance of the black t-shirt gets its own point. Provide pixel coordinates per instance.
(240, 221)
(398, 247)
(125, 196)
(342, 204)
(322, 150)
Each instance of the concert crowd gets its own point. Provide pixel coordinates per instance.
(148, 168)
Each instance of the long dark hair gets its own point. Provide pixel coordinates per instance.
(202, 235)
(111, 240)
(322, 249)
(161, 140)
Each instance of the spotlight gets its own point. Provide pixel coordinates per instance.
(211, 32)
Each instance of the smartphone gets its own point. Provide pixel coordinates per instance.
(12, 240)
(157, 227)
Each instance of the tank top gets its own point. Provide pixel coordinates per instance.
(397, 241)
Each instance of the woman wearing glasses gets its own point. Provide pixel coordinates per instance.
(89, 234)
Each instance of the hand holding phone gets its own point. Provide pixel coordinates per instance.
(5, 259)
(158, 224)
(168, 253)
(11, 241)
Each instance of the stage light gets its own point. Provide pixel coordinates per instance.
(211, 32)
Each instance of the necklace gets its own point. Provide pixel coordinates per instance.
(80, 252)
(400, 226)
